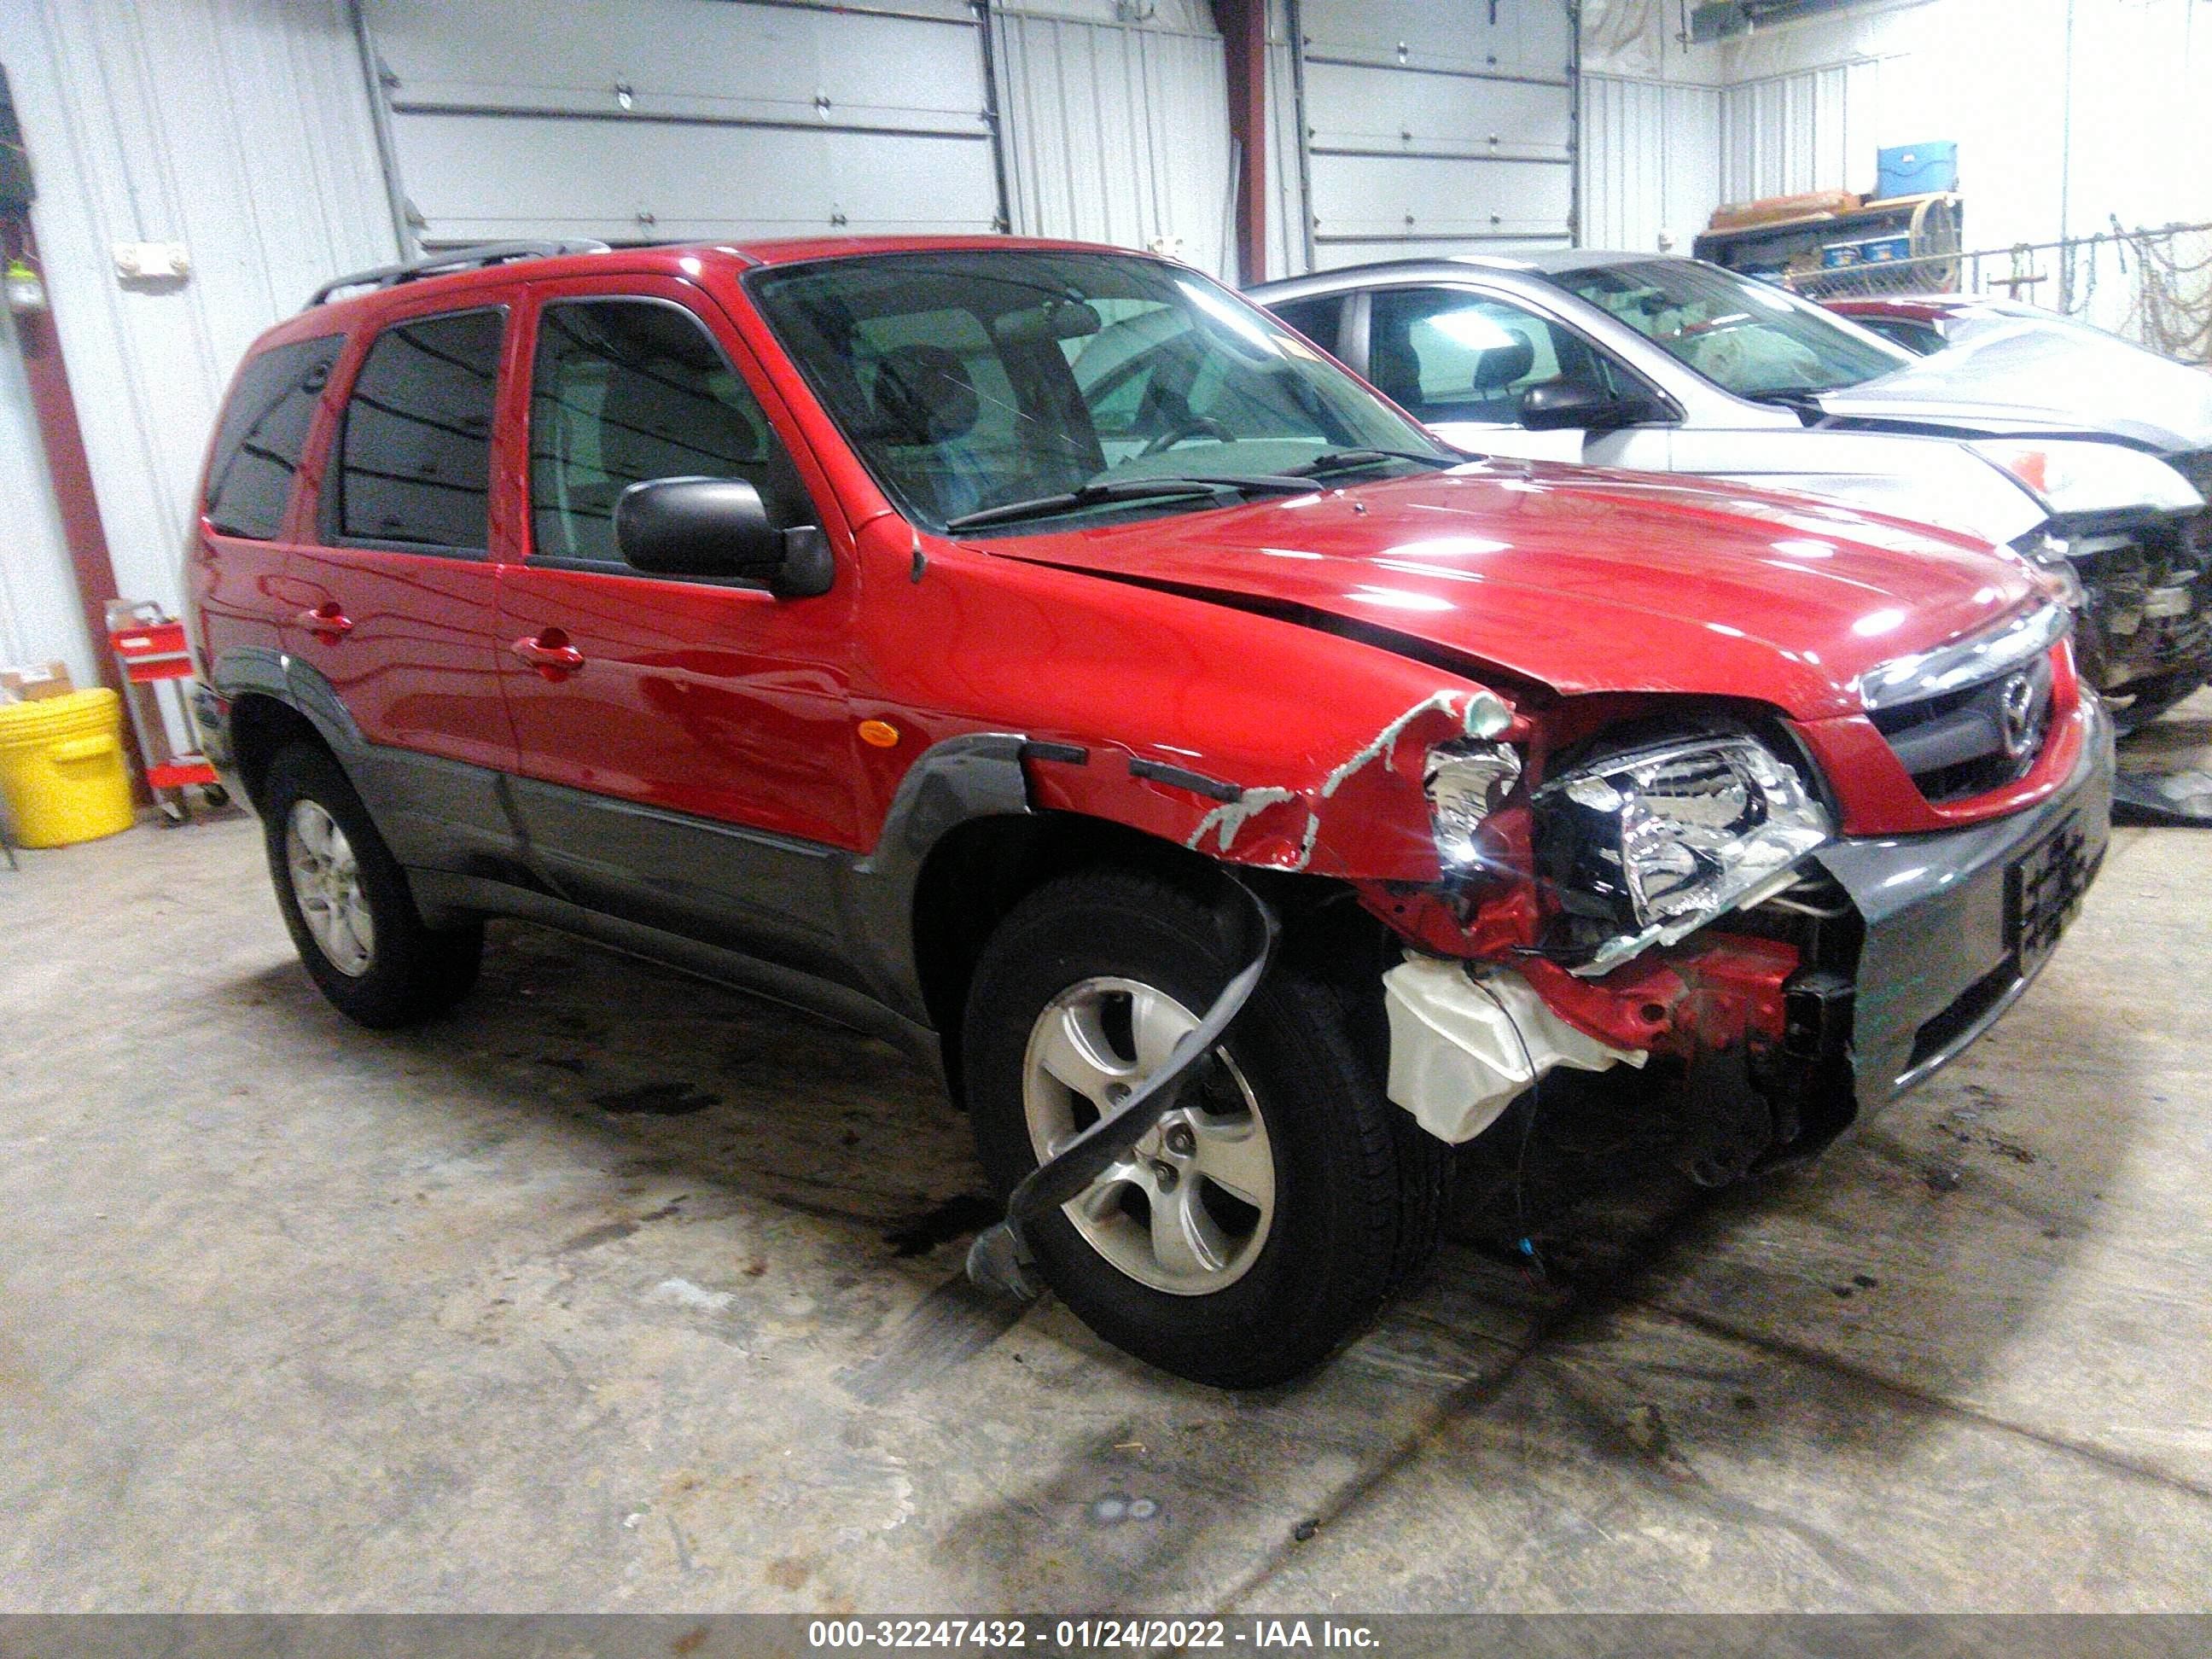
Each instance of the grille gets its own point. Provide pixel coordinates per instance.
(1978, 737)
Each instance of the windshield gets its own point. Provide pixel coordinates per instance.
(1746, 336)
(976, 381)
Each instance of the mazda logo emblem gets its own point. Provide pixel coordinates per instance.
(2021, 717)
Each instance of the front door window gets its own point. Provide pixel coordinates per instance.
(1456, 357)
(627, 390)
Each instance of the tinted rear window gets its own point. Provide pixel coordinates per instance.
(264, 429)
(414, 464)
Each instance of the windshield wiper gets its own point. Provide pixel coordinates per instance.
(1803, 401)
(1225, 489)
(1338, 460)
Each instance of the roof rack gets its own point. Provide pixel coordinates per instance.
(460, 258)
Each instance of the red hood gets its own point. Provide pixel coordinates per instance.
(1587, 580)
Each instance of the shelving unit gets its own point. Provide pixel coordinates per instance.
(1794, 249)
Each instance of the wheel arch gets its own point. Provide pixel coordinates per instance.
(980, 870)
(274, 699)
(261, 724)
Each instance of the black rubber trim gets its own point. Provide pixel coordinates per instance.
(1197, 782)
(1068, 754)
(452, 891)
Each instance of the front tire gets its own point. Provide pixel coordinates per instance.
(346, 902)
(1263, 1222)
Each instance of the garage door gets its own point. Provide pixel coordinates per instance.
(1432, 127)
(660, 120)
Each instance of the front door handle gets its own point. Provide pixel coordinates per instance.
(549, 651)
(327, 622)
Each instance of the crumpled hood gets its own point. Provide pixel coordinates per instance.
(1585, 580)
(2045, 377)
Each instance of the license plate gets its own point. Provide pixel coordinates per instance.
(2043, 891)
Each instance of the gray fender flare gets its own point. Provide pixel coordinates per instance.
(953, 782)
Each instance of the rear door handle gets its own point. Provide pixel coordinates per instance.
(328, 620)
(549, 651)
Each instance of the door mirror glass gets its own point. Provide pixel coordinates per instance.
(698, 527)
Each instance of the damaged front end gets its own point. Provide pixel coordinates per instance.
(1557, 881)
(1776, 924)
(1636, 892)
(1630, 886)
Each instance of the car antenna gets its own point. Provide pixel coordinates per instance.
(921, 560)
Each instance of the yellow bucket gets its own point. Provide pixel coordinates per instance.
(61, 768)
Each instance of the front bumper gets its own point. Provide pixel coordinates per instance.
(1959, 923)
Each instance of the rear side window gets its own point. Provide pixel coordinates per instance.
(264, 429)
(627, 390)
(415, 461)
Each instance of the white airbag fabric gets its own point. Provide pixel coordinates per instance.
(1460, 1052)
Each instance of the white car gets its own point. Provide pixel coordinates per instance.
(1671, 365)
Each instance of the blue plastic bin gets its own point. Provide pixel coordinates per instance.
(1917, 169)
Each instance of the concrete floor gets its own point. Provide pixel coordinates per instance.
(618, 1292)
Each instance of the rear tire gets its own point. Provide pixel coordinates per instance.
(1327, 1196)
(346, 902)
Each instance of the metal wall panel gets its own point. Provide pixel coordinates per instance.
(645, 121)
(1811, 130)
(1431, 127)
(1288, 231)
(1650, 161)
(1117, 132)
(240, 128)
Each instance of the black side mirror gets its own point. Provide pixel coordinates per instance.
(717, 527)
(1559, 404)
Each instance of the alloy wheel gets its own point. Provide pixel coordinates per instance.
(1188, 1210)
(326, 882)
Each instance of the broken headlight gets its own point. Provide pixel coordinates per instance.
(2077, 475)
(1644, 847)
(2050, 557)
(1466, 782)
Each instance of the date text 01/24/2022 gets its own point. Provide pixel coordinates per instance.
(1090, 1634)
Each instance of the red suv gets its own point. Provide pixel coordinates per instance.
(968, 638)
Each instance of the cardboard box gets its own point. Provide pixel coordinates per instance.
(36, 685)
(1776, 209)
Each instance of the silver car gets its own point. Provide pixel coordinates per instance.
(1670, 364)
